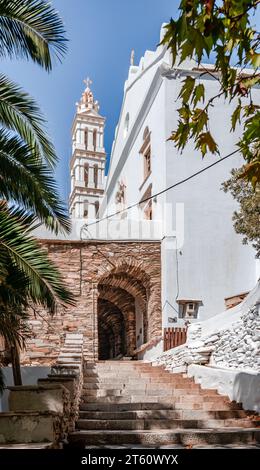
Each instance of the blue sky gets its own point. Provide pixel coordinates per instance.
(101, 35)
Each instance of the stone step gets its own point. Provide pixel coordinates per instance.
(153, 424)
(89, 390)
(136, 380)
(70, 354)
(68, 360)
(70, 351)
(166, 437)
(167, 395)
(73, 341)
(78, 336)
(121, 364)
(68, 364)
(127, 406)
(174, 404)
(134, 377)
(123, 370)
(164, 414)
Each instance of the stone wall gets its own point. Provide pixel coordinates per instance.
(235, 347)
(133, 267)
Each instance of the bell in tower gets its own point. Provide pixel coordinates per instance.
(87, 165)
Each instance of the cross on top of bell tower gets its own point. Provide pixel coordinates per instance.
(87, 101)
(87, 82)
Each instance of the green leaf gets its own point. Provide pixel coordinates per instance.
(187, 89)
(45, 282)
(199, 120)
(255, 59)
(236, 116)
(205, 142)
(30, 183)
(31, 29)
(20, 113)
(251, 81)
(198, 94)
(186, 50)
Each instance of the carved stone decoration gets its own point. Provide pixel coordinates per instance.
(120, 194)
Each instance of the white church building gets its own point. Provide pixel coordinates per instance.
(203, 260)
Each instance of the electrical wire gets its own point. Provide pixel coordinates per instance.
(161, 192)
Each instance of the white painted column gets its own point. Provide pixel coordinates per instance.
(77, 173)
(81, 172)
(82, 140)
(100, 177)
(81, 209)
(102, 140)
(99, 146)
(90, 140)
(91, 211)
(72, 180)
(78, 136)
(77, 210)
(74, 142)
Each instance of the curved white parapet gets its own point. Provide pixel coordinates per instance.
(240, 386)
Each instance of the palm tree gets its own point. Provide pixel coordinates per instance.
(30, 29)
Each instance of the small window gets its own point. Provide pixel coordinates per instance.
(95, 139)
(126, 126)
(146, 153)
(85, 211)
(189, 310)
(146, 204)
(148, 212)
(86, 138)
(95, 176)
(147, 162)
(86, 168)
(96, 208)
(146, 133)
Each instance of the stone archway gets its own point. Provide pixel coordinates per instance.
(123, 310)
(132, 268)
(111, 331)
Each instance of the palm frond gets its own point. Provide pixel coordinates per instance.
(30, 183)
(31, 29)
(20, 114)
(14, 328)
(46, 285)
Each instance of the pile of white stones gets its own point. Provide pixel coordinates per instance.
(237, 347)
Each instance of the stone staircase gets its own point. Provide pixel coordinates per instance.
(71, 353)
(133, 404)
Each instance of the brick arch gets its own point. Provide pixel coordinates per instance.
(132, 286)
(130, 265)
(120, 297)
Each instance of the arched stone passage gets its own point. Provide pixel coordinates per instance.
(111, 330)
(125, 304)
(127, 288)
